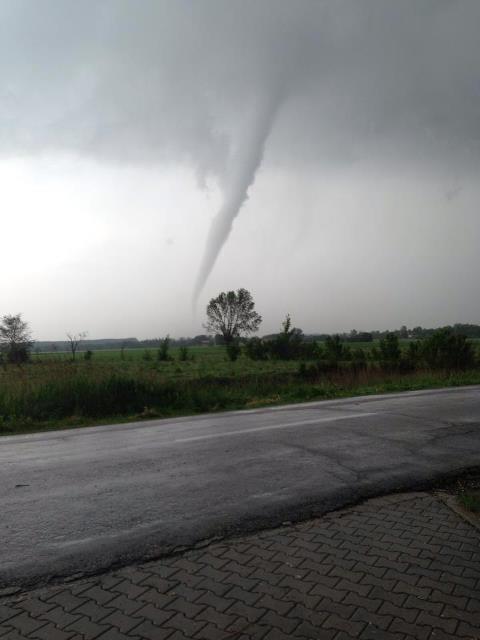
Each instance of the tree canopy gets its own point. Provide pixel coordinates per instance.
(231, 314)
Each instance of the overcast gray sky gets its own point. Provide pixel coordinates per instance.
(126, 125)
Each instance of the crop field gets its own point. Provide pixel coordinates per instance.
(53, 391)
(201, 361)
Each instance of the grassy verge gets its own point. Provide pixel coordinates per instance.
(470, 501)
(468, 495)
(79, 398)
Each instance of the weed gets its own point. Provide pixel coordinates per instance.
(470, 502)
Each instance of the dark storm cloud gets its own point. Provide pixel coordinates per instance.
(161, 81)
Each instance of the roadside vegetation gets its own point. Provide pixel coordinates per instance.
(470, 501)
(81, 386)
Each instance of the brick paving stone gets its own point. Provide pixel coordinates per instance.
(65, 599)
(396, 568)
(211, 632)
(352, 627)
(122, 622)
(125, 605)
(312, 617)
(374, 633)
(445, 624)
(211, 600)
(183, 592)
(189, 609)
(213, 616)
(211, 586)
(248, 629)
(178, 635)
(370, 604)
(307, 630)
(14, 635)
(50, 632)
(129, 589)
(188, 626)
(294, 596)
(379, 621)
(461, 614)
(276, 634)
(114, 634)
(151, 596)
(7, 611)
(243, 610)
(35, 607)
(25, 624)
(410, 630)
(157, 615)
(160, 584)
(466, 630)
(473, 605)
(148, 631)
(85, 627)
(59, 617)
(275, 620)
(92, 610)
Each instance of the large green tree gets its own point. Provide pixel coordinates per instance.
(232, 314)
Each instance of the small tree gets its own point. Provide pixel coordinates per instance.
(232, 314)
(288, 343)
(335, 350)
(75, 340)
(257, 349)
(390, 352)
(162, 353)
(15, 339)
(447, 350)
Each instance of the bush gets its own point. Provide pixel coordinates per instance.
(390, 353)
(335, 350)
(183, 354)
(287, 345)
(410, 359)
(18, 354)
(309, 351)
(88, 355)
(447, 350)
(233, 350)
(307, 371)
(162, 353)
(257, 349)
(320, 368)
(359, 359)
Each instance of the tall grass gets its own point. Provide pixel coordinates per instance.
(56, 394)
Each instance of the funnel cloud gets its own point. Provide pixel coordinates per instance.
(245, 163)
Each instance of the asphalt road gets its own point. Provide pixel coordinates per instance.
(89, 499)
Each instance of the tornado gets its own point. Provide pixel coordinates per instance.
(247, 163)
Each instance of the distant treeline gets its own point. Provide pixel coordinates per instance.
(467, 330)
(103, 344)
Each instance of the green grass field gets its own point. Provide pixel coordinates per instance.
(202, 361)
(52, 391)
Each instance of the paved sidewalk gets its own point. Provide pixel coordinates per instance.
(393, 568)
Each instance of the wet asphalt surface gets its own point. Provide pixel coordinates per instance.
(83, 501)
